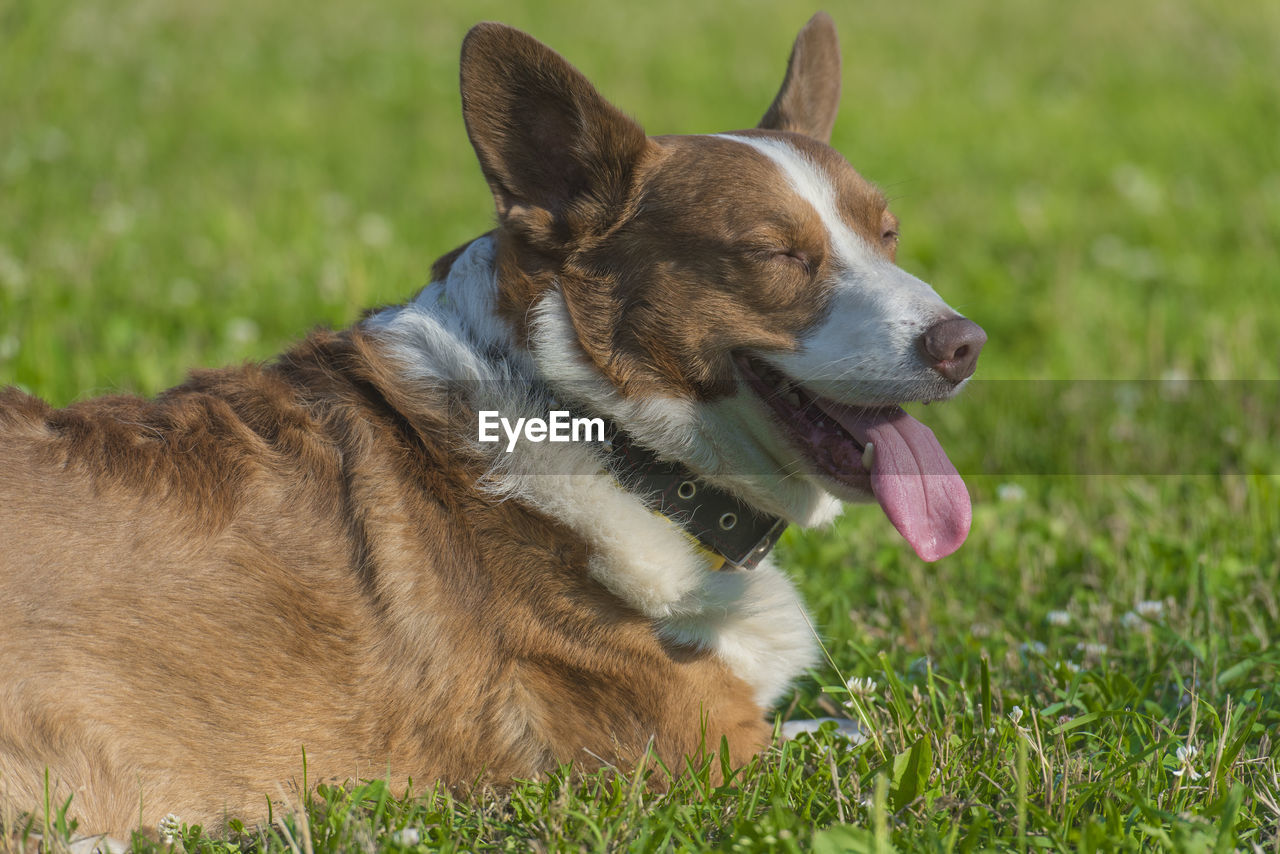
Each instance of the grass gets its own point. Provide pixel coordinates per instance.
(1097, 183)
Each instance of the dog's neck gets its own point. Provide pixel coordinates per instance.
(729, 532)
(452, 332)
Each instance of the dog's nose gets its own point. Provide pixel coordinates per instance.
(952, 347)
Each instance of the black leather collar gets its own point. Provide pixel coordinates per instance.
(718, 521)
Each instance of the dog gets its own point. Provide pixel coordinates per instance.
(330, 553)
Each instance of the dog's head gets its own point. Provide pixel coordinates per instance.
(732, 300)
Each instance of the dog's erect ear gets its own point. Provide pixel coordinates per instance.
(810, 93)
(556, 154)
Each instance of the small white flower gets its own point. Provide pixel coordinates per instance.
(1152, 609)
(242, 330)
(1034, 647)
(1133, 622)
(117, 219)
(407, 837)
(1011, 493)
(1058, 618)
(991, 731)
(862, 686)
(1015, 714)
(170, 829)
(1138, 187)
(1092, 649)
(1186, 754)
(1072, 666)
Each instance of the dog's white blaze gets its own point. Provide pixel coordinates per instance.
(865, 348)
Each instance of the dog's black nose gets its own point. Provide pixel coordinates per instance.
(952, 347)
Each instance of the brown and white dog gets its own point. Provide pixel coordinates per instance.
(321, 552)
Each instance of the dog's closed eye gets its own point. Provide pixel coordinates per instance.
(794, 256)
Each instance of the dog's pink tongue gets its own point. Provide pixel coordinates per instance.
(917, 486)
(920, 490)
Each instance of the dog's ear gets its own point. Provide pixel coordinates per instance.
(810, 93)
(558, 156)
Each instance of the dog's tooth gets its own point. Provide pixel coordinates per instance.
(868, 456)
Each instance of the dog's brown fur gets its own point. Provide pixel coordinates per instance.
(194, 589)
(262, 560)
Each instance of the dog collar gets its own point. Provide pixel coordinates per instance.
(730, 533)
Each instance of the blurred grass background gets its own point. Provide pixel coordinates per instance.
(191, 184)
(185, 183)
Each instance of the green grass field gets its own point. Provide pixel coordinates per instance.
(188, 184)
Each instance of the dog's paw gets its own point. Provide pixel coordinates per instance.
(842, 727)
(97, 845)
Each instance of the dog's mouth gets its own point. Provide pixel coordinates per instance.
(878, 450)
